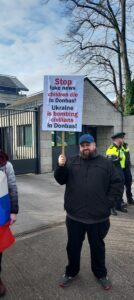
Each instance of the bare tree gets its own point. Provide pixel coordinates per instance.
(96, 40)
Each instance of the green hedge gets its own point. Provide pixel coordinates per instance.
(129, 103)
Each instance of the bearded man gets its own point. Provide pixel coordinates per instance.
(92, 186)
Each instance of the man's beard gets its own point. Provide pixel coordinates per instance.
(86, 155)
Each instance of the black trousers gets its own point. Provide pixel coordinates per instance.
(0, 260)
(119, 201)
(76, 234)
(128, 184)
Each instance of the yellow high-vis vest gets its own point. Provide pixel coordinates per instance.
(119, 152)
(125, 149)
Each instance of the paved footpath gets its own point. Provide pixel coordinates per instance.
(40, 201)
(32, 267)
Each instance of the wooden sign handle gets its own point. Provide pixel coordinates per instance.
(63, 139)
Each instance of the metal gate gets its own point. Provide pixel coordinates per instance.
(19, 138)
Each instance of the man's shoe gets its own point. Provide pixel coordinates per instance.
(113, 212)
(105, 283)
(2, 289)
(131, 202)
(122, 209)
(124, 204)
(65, 280)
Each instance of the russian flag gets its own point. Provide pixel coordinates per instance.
(6, 236)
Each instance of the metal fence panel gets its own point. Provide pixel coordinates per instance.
(18, 138)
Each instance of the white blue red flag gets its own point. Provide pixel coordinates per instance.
(6, 236)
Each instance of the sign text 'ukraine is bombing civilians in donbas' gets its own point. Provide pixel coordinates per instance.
(62, 103)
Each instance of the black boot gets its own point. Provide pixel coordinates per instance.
(2, 288)
(131, 201)
(123, 204)
(122, 209)
(113, 212)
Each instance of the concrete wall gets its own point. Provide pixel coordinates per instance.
(129, 138)
(98, 111)
(104, 138)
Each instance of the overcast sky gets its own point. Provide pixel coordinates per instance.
(28, 37)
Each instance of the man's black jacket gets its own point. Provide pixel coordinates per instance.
(92, 186)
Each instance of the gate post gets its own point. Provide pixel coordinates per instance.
(37, 118)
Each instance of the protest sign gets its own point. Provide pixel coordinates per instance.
(62, 103)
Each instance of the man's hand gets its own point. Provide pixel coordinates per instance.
(61, 160)
(12, 218)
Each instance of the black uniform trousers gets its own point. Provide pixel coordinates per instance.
(119, 201)
(128, 184)
(76, 234)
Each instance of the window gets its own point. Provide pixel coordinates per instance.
(24, 135)
(70, 138)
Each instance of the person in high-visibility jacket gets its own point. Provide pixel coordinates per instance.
(117, 150)
(127, 173)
